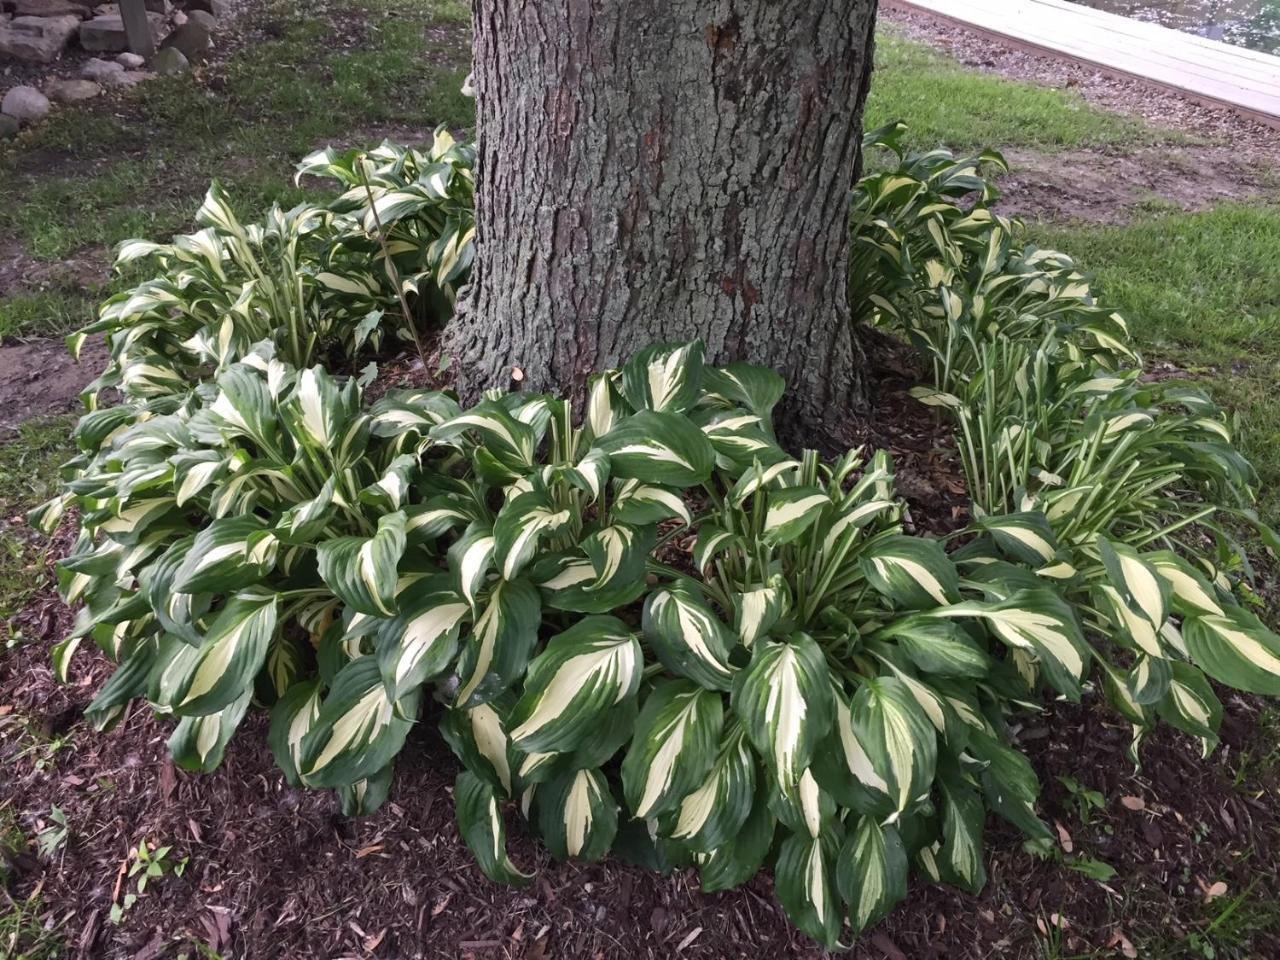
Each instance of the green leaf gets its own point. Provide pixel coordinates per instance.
(912, 572)
(639, 503)
(806, 888)
(228, 554)
(1041, 623)
(1235, 649)
(662, 448)
(478, 737)
(619, 553)
(791, 512)
(673, 747)
(890, 745)
(1026, 537)
(198, 743)
(362, 571)
(735, 862)
(359, 729)
(756, 611)
(481, 825)
(871, 872)
(687, 636)
(577, 815)
(784, 701)
(939, 647)
(744, 384)
(496, 650)
(196, 681)
(1009, 784)
(523, 520)
(1191, 592)
(420, 641)
(364, 797)
(712, 814)
(665, 376)
(292, 718)
(571, 685)
(1190, 705)
(963, 815)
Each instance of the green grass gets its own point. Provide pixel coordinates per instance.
(340, 71)
(28, 476)
(1202, 291)
(947, 103)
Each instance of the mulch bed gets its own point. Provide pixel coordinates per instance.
(277, 872)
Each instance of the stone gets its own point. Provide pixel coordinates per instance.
(71, 91)
(106, 34)
(170, 62)
(129, 78)
(9, 126)
(26, 104)
(131, 61)
(205, 19)
(219, 8)
(101, 70)
(38, 39)
(79, 9)
(191, 39)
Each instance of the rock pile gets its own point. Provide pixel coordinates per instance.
(43, 31)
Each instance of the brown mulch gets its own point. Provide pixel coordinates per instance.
(277, 872)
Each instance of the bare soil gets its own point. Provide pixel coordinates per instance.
(40, 378)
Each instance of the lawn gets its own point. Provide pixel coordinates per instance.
(1201, 292)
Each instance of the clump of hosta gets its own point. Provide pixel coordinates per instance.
(319, 280)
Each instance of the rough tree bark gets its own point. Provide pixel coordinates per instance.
(659, 170)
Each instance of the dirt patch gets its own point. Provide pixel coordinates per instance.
(1108, 187)
(1249, 138)
(40, 378)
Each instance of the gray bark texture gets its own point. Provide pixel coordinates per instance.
(662, 170)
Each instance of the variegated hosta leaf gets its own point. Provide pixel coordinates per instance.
(1190, 705)
(804, 881)
(228, 554)
(687, 636)
(755, 612)
(1026, 537)
(471, 558)
(959, 859)
(292, 718)
(1191, 593)
(912, 572)
(744, 384)
(1139, 589)
(734, 863)
(577, 815)
(1235, 649)
(521, 523)
(362, 571)
(284, 665)
(605, 405)
(662, 448)
(590, 474)
(871, 871)
(507, 441)
(571, 685)
(420, 641)
(304, 521)
(364, 797)
(639, 503)
(665, 376)
(1038, 622)
(763, 477)
(890, 747)
(478, 737)
(1009, 784)
(359, 729)
(741, 439)
(618, 553)
(496, 650)
(1149, 678)
(712, 814)
(568, 582)
(712, 541)
(176, 612)
(791, 512)
(784, 701)
(318, 409)
(673, 747)
(197, 681)
(481, 825)
(198, 743)
(939, 647)
(130, 680)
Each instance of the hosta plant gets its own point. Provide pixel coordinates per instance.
(320, 281)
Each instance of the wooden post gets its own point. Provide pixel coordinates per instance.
(137, 28)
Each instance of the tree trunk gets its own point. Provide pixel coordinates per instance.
(662, 170)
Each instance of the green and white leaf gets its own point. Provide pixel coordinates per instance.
(673, 747)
